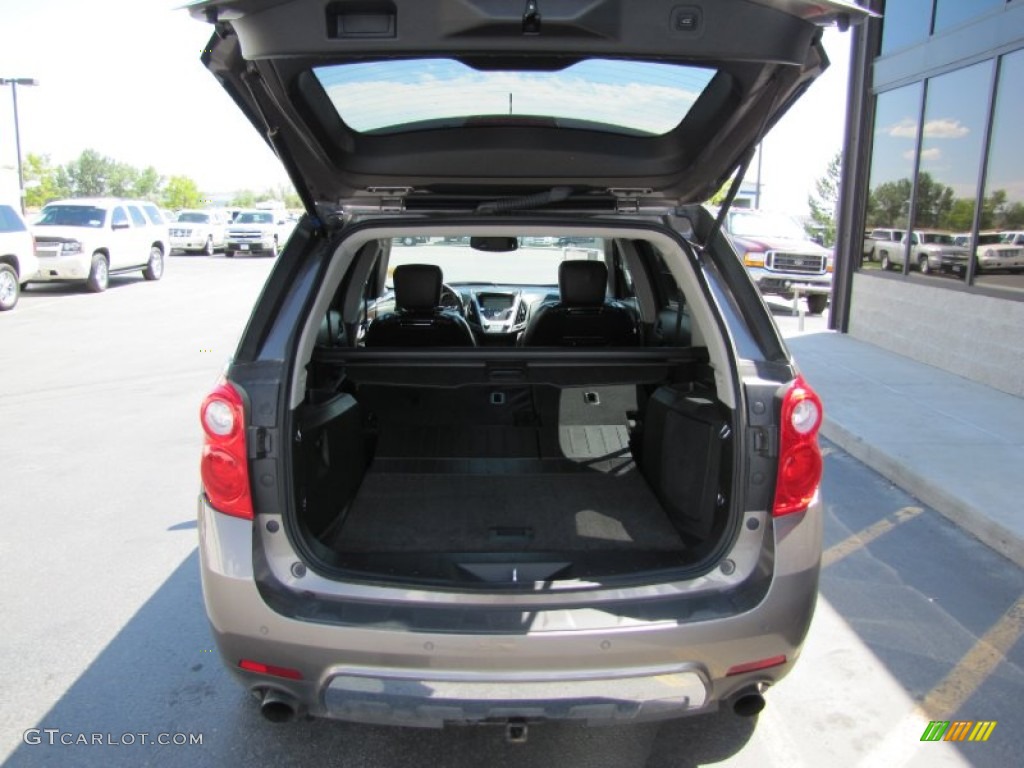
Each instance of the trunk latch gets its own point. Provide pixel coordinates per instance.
(531, 18)
(261, 446)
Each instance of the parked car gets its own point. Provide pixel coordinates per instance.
(17, 256)
(779, 256)
(880, 245)
(531, 487)
(86, 240)
(199, 231)
(410, 240)
(991, 252)
(930, 251)
(257, 231)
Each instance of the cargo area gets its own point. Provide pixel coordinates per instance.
(480, 484)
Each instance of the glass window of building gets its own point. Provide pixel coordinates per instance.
(952, 137)
(894, 146)
(949, 13)
(1000, 248)
(906, 22)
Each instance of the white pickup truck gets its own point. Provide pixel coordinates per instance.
(257, 231)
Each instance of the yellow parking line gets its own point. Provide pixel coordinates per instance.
(976, 665)
(860, 539)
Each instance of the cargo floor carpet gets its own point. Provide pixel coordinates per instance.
(548, 511)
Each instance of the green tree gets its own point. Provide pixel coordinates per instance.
(181, 192)
(43, 182)
(87, 175)
(889, 203)
(121, 179)
(934, 202)
(960, 217)
(823, 202)
(244, 198)
(1011, 217)
(148, 184)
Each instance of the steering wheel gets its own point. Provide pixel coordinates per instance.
(452, 299)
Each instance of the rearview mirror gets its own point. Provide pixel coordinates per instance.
(494, 244)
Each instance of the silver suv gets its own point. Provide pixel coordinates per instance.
(485, 480)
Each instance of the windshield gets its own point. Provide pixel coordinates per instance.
(988, 238)
(254, 218)
(72, 216)
(934, 238)
(535, 262)
(623, 96)
(194, 218)
(758, 224)
(1013, 238)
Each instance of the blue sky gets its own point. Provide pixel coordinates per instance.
(123, 77)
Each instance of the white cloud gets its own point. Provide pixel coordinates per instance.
(940, 128)
(931, 154)
(904, 129)
(945, 128)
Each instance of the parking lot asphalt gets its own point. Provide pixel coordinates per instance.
(106, 634)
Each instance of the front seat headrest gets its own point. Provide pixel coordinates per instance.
(418, 287)
(582, 283)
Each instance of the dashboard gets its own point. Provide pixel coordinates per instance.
(499, 311)
(497, 314)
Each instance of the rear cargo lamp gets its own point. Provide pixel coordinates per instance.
(800, 462)
(224, 466)
(269, 669)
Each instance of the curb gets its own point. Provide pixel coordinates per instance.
(956, 510)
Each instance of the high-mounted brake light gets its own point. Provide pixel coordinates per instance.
(224, 466)
(800, 463)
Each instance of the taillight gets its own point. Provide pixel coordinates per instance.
(800, 462)
(224, 466)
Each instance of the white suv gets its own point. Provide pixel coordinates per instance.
(199, 231)
(17, 256)
(89, 239)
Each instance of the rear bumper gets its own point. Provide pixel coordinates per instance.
(624, 670)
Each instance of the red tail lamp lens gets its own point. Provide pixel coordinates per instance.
(224, 466)
(800, 463)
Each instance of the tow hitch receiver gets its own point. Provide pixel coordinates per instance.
(516, 732)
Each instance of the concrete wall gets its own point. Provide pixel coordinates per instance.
(977, 337)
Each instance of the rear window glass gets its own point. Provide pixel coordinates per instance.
(621, 96)
(534, 262)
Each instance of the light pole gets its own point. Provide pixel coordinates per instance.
(14, 82)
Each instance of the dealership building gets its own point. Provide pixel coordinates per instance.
(935, 146)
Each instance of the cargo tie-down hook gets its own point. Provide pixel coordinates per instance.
(531, 18)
